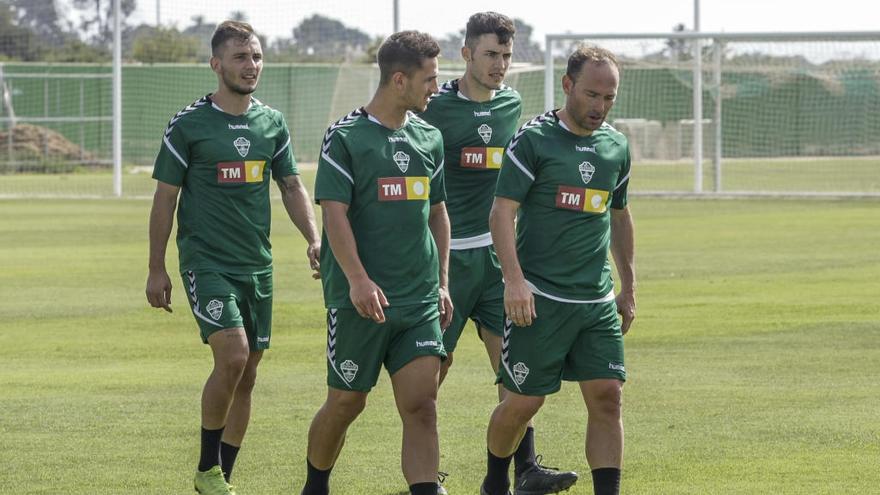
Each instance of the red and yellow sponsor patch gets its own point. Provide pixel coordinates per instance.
(579, 199)
(475, 157)
(240, 172)
(403, 188)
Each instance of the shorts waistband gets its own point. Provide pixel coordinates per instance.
(476, 241)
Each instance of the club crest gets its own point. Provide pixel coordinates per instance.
(349, 370)
(215, 308)
(242, 145)
(485, 133)
(520, 372)
(587, 170)
(402, 161)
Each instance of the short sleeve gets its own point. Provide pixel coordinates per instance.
(618, 197)
(172, 161)
(334, 180)
(517, 170)
(283, 161)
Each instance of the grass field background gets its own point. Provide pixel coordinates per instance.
(753, 363)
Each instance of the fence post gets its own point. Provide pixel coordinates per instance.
(719, 55)
(549, 90)
(117, 100)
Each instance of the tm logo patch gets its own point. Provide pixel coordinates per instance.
(403, 188)
(475, 157)
(240, 172)
(578, 199)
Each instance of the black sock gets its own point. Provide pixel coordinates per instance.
(210, 454)
(228, 453)
(427, 488)
(606, 481)
(497, 481)
(524, 457)
(317, 481)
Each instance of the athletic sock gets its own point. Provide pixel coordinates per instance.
(497, 480)
(228, 453)
(606, 481)
(524, 457)
(210, 453)
(317, 480)
(427, 488)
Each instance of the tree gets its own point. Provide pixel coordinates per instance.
(679, 49)
(450, 46)
(201, 31)
(238, 15)
(76, 50)
(165, 45)
(98, 17)
(323, 38)
(524, 49)
(16, 42)
(42, 18)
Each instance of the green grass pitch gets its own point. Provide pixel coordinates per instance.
(753, 362)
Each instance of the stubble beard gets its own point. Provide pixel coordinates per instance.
(236, 88)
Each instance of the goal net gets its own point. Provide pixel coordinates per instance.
(781, 114)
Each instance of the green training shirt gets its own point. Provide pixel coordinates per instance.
(223, 164)
(474, 137)
(565, 185)
(389, 179)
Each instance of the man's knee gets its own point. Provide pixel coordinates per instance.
(607, 399)
(248, 381)
(521, 408)
(344, 406)
(422, 411)
(232, 366)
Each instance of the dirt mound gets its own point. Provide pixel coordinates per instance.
(37, 145)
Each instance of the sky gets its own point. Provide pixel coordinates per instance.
(278, 17)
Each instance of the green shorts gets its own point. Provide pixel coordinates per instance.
(572, 342)
(358, 347)
(225, 300)
(477, 292)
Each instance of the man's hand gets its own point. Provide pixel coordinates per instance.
(445, 304)
(159, 289)
(626, 306)
(368, 299)
(519, 303)
(314, 254)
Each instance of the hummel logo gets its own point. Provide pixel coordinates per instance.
(591, 149)
(235, 127)
(484, 113)
(397, 139)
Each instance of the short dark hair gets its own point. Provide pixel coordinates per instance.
(489, 23)
(589, 53)
(405, 52)
(241, 32)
